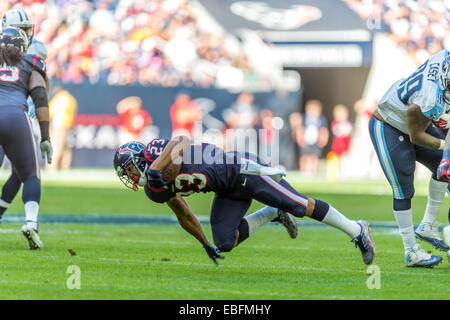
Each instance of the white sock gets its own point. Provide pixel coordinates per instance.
(436, 193)
(4, 204)
(259, 218)
(405, 226)
(338, 220)
(31, 214)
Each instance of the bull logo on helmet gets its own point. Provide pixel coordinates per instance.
(131, 148)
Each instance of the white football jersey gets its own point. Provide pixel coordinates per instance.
(37, 48)
(420, 88)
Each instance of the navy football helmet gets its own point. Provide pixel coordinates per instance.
(16, 37)
(131, 152)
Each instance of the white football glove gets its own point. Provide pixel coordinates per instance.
(443, 122)
(46, 149)
(253, 168)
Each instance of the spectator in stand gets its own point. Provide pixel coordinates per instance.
(268, 144)
(315, 137)
(296, 123)
(341, 128)
(184, 112)
(421, 27)
(133, 118)
(242, 115)
(62, 111)
(127, 42)
(283, 106)
(362, 159)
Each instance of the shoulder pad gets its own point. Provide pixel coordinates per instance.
(37, 63)
(155, 148)
(37, 48)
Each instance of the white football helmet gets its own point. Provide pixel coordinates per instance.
(444, 78)
(20, 19)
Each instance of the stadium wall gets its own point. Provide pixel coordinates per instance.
(96, 132)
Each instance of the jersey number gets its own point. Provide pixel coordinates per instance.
(411, 85)
(155, 149)
(196, 181)
(9, 74)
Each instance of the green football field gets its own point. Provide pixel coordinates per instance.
(116, 244)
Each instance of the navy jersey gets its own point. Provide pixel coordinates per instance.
(14, 81)
(205, 168)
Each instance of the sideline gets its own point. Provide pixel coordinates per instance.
(148, 220)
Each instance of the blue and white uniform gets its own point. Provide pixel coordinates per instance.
(396, 153)
(420, 88)
(36, 48)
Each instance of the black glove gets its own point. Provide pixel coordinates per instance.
(154, 178)
(213, 253)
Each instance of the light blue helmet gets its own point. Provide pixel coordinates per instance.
(444, 78)
(20, 19)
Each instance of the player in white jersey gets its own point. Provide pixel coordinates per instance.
(405, 128)
(443, 173)
(20, 19)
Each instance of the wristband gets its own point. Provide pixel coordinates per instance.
(446, 154)
(44, 125)
(442, 145)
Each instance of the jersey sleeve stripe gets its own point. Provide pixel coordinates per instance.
(288, 193)
(35, 60)
(147, 156)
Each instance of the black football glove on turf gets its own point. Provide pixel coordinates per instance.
(154, 178)
(214, 253)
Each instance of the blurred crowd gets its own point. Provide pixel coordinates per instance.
(118, 42)
(422, 27)
(304, 137)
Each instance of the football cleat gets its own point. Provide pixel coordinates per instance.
(32, 235)
(1, 218)
(429, 232)
(365, 243)
(417, 257)
(446, 233)
(288, 221)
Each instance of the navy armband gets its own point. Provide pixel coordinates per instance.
(39, 96)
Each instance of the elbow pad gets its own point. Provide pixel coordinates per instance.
(39, 96)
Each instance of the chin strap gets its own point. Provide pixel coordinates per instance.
(142, 176)
(142, 180)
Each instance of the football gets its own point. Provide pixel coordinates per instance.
(170, 172)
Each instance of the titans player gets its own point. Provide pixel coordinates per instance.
(20, 19)
(23, 75)
(236, 179)
(404, 129)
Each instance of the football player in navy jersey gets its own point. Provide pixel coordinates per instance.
(20, 19)
(23, 75)
(236, 179)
